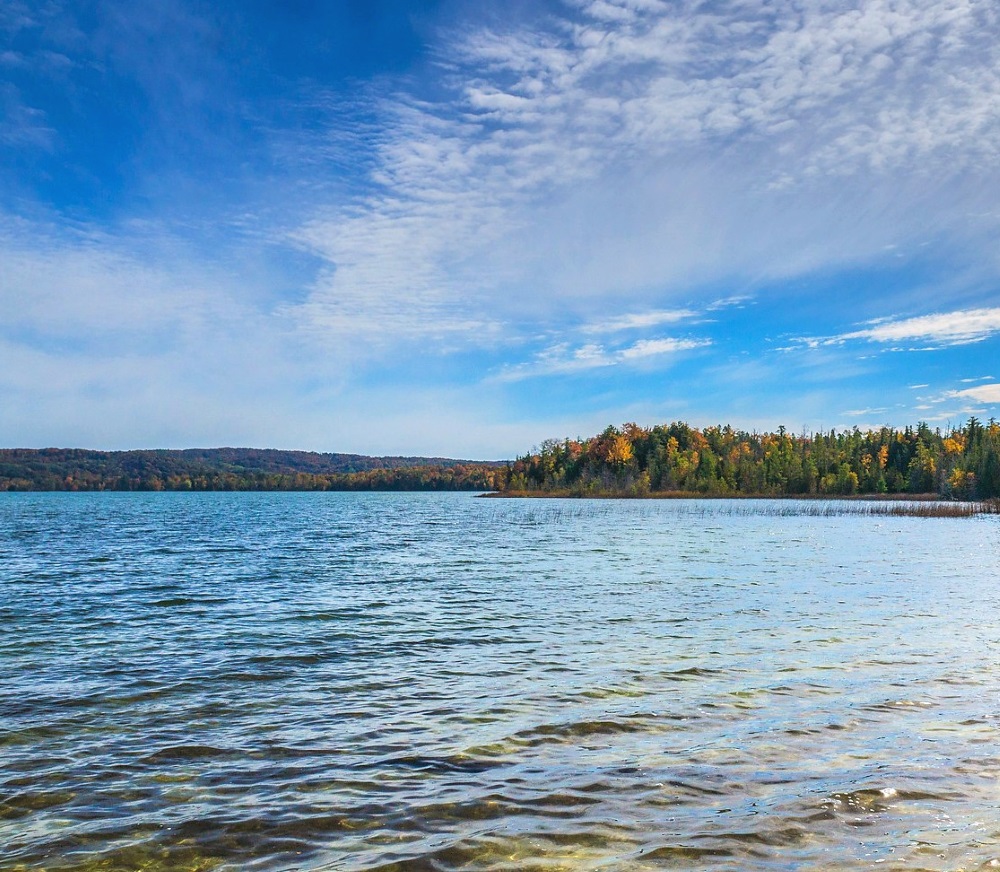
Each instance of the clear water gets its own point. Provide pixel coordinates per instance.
(418, 681)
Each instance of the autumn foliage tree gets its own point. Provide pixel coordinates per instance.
(963, 463)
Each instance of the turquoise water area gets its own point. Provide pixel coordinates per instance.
(435, 682)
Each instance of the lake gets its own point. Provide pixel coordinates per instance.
(320, 681)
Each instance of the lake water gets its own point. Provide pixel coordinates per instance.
(435, 682)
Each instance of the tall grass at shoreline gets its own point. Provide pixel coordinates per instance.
(837, 508)
(791, 508)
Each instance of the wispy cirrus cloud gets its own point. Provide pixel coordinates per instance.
(988, 394)
(859, 413)
(955, 403)
(89, 286)
(945, 328)
(565, 359)
(941, 329)
(634, 148)
(639, 320)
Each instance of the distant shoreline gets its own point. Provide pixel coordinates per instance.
(236, 469)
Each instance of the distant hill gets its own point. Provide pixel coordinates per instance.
(275, 460)
(234, 469)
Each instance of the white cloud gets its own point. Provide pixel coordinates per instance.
(655, 347)
(639, 320)
(88, 285)
(128, 341)
(858, 413)
(944, 328)
(563, 359)
(950, 405)
(638, 148)
(736, 300)
(989, 394)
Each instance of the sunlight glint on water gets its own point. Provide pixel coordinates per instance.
(417, 681)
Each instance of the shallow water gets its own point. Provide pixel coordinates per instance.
(420, 681)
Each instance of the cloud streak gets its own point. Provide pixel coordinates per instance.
(564, 359)
(640, 320)
(988, 394)
(941, 329)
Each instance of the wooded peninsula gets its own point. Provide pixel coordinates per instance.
(962, 463)
(677, 459)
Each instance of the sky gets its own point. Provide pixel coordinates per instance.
(461, 227)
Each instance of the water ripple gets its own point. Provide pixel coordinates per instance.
(430, 681)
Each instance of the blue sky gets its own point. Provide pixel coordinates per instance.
(455, 227)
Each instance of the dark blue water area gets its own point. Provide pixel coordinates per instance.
(437, 681)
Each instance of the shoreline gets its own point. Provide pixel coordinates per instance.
(692, 495)
(892, 505)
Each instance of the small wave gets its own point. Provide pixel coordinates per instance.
(866, 799)
(181, 753)
(584, 729)
(681, 855)
(174, 602)
(424, 763)
(692, 672)
(23, 804)
(876, 799)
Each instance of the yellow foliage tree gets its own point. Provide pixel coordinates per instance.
(954, 444)
(620, 450)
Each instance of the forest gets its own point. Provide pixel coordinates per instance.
(961, 463)
(223, 469)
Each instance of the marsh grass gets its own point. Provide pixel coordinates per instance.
(838, 508)
(569, 508)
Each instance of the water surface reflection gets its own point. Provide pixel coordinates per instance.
(413, 681)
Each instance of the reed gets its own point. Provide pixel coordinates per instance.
(783, 508)
(841, 508)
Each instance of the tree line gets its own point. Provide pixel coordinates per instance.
(233, 469)
(960, 463)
